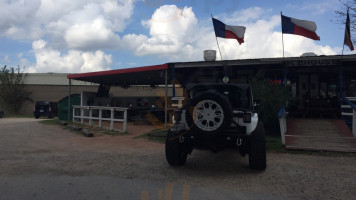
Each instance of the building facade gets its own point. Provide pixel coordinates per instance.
(54, 87)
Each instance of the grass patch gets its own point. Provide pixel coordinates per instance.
(98, 131)
(93, 129)
(274, 144)
(49, 122)
(107, 132)
(157, 135)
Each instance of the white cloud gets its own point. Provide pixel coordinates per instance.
(96, 61)
(79, 24)
(39, 44)
(92, 26)
(173, 31)
(16, 17)
(91, 35)
(320, 7)
(51, 60)
(132, 41)
(177, 35)
(7, 58)
(244, 16)
(76, 32)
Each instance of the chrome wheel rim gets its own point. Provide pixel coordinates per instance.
(208, 115)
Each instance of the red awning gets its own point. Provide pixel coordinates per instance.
(148, 75)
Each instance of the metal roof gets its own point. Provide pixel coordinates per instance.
(185, 72)
(286, 61)
(148, 75)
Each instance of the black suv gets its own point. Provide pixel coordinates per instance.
(45, 108)
(217, 116)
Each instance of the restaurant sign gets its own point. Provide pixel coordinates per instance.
(314, 62)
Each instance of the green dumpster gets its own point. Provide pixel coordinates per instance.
(63, 106)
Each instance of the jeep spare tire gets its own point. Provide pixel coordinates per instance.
(208, 113)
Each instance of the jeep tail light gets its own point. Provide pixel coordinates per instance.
(177, 115)
(247, 117)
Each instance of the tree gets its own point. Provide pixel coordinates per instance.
(12, 91)
(271, 97)
(341, 15)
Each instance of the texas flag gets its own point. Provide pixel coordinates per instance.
(347, 38)
(299, 27)
(230, 32)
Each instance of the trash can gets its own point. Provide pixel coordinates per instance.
(63, 106)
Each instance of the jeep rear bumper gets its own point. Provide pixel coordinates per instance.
(226, 140)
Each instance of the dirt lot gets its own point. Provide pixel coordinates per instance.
(28, 147)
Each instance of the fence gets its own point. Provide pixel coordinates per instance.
(92, 113)
(348, 101)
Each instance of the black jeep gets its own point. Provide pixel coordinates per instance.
(45, 108)
(217, 116)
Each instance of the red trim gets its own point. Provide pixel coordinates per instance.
(119, 71)
(348, 42)
(306, 33)
(231, 35)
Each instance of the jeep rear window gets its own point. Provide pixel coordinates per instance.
(240, 99)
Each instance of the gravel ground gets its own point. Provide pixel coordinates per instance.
(28, 147)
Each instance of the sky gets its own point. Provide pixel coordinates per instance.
(66, 36)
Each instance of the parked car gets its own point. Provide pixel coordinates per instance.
(1, 113)
(45, 108)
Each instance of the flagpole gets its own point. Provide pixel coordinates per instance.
(343, 43)
(217, 40)
(218, 47)
(282, 35)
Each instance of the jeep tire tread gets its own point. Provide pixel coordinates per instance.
(176, 153)
(257, 151)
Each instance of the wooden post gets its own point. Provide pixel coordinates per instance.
(69, 93)
(90, 116)
(125, 121)
(100, 116)
(73, 113)
(82, 115)
(111, 118)
(282, 129)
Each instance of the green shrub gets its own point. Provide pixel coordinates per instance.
(12, 91)
(271, 97)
